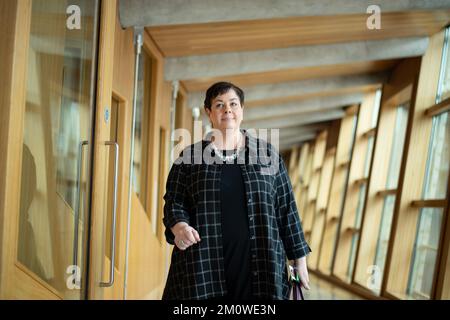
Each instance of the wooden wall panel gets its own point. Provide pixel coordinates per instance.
(147, 246)
(219, 37)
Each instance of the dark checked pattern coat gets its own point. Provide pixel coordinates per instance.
(193, 195)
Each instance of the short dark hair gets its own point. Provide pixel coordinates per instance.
(220, 88)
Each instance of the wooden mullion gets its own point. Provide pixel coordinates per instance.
(361, 181)
(369, 133)
(386, 192)
(331, 151)
(344, 164)
(334, 219)
(352, 230)
(439, 108)
(430, 203)
(352, 110)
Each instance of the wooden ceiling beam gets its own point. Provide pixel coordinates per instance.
(250, 35)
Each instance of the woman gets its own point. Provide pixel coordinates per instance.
(232, 223)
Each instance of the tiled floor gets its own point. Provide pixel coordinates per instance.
(324, 290)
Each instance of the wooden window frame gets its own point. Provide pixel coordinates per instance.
(410, 189)
(398, 91)
(337, 191)
(343, 251)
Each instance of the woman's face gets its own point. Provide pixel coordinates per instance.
(226, 111)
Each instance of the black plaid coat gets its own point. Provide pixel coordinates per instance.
(193, 195)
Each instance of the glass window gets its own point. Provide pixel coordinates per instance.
(160, 185)
(351, 261)
(384, 232)
(57, 130)
(437, 170)
(353, 136)
(141, 132)
(360, 206)
(357, 225)
(376, 108)
(444, 77)
(398, 142)
(368, 159)
(425, 253)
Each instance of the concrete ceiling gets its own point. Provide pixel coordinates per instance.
(225, 64)
(297, 79)
(162, 12)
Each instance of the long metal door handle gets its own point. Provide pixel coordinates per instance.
(77, 203)
(113, 233)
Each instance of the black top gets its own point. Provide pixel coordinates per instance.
(235, 233)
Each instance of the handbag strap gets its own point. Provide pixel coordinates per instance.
(298, 294)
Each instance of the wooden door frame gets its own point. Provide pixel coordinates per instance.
(104, 94)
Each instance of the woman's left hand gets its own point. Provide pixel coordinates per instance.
(302, 270)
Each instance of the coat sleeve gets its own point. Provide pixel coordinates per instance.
(175, 205)
(290, 227)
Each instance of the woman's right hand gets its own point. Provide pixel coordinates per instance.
(185, 235)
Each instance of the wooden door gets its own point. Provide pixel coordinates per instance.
(57, 150)
(67, 131)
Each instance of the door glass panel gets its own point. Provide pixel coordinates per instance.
(142, 128)
(58, 113)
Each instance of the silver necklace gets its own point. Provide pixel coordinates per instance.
(230, 157)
